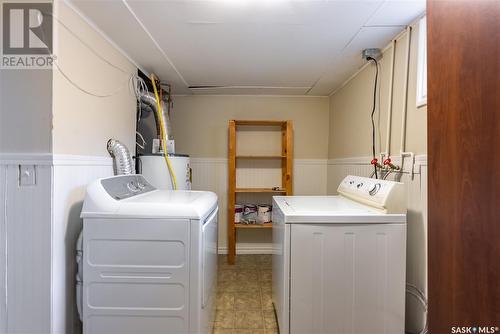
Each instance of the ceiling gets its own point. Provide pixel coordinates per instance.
(282, 47)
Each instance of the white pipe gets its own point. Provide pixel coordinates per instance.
(405, 92)
(389, 101)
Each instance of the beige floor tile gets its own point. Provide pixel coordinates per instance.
(266, 288)
(226, 275)
(270, 320)
(247, 275)
(272, 331)
(224, 319)
(228, 286)
(225, 301)
(247, 259)
(249, 320)
(266, 276)
(267, 285)
(264, 258)
(222, 331)
(248, 331)
(267, 302)
(247, 301)
(248, 286)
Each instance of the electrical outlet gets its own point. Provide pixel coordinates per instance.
(27, 175)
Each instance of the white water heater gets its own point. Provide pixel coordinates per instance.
(155, 170)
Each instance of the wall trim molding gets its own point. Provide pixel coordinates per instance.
(249, 248)
(26, 159)
(225, 161)
(81, 160)
(49, 159)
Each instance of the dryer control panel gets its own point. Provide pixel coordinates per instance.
(126, 186)
(388, 196)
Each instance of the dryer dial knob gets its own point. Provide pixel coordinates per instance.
(132, 186)
(374, 189)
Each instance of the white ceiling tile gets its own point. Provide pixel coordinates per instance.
(397, 12)
(115, 20)
(283, 44)
(252, 91)
(287, 44)
(350, 59)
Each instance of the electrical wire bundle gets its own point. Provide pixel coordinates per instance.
(373, 113)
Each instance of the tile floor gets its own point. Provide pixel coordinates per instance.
(244, 296)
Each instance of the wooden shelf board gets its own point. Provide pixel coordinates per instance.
(251, 226)
(259, 122)
(259, 190)
(260, 156)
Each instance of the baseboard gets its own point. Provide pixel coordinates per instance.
(249, 248)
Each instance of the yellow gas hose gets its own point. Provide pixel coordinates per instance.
(162, 130)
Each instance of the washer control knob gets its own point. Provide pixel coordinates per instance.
(132, 186)
(374, 189)
(359, 185)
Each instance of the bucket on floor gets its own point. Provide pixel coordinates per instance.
(249, 214)
(238, 211)
(264, 213)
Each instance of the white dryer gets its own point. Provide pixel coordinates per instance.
(148, 261)
(339, 262)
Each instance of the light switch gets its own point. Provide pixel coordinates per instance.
(27, 175)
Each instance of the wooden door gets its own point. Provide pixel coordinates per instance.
(464, 163)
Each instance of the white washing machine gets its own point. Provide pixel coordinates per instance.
(148, 263)
(339, 262)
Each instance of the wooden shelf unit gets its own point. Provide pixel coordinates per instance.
(286, 159)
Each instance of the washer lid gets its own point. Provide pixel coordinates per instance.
(103, 200)
(331, 209)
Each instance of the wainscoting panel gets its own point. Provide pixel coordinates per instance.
(38, 229)
(3, 250)
(26, 249)
(71, 176)
(416, 182)
(211, 174)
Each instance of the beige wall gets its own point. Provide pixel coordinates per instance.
(350, 108)
(200, 130)
(200, 123)
(83, 123)
(25, 111)
(350, 137)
